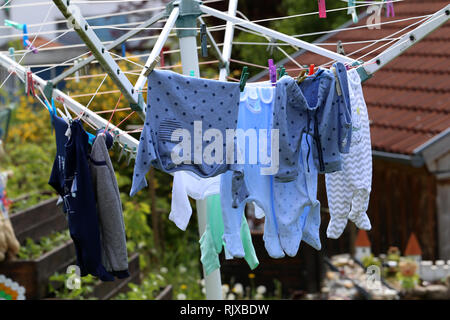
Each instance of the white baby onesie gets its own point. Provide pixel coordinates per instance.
(189, 184)
(348, 191)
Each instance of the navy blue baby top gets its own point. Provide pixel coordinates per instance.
(80, 203)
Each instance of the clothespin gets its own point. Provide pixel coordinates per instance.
(11, 53)
(322, 9)
(48, 90)
(15, 25)
(340, 48)
(272, 72)
(122, 152)
(389, 8)
(29, 83)
(203, 39)
(152, 66)
(26, 41)
(281, 72)
(124, 49)
(311, 69)
(131, 155)
(161, 57)
(301, 76)
(244, 77)
(192, 73)
(352, 10)
(271, 45)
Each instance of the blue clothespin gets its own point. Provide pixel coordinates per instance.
(352, 10)
(91, 138)
(203, 39)
(25, 35)
(124, 49)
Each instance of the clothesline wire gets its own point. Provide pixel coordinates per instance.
(397, 44)
(211, 29)
(30, 48)
(393, 34)
(22, 5)
(95, 94)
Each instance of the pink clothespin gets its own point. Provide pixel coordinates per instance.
(272, 72)
(389, 9)
(322, 9)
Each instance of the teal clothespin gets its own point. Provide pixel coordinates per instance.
(11, 53)
(15, 25)
(244, 77)
(192, 73)
(352, 10)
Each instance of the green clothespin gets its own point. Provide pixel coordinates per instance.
(281, 72)
(48, 90)
(244, 77)
(192, 73)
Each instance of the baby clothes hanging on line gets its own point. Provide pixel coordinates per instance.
(255, 112)
(211, 242)
(182, 107)
(79, 200)
(186, 185)
(327, 94)
(109, 207)
(296, 208)
(348, 191)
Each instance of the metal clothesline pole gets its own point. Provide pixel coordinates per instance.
(157, 49)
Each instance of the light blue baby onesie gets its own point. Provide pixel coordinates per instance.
(330, 122)
(255, 112)
(297, 210)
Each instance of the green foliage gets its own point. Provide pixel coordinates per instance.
(147, 290)
(33, 250)
(57, 287)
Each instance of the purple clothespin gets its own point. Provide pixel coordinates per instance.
(31, 47)
(389, 9)
(272, 72)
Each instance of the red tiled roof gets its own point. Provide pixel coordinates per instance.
(413, 247)
(409, 98)
(362, 240)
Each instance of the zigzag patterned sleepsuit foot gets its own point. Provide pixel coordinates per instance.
(348, 190)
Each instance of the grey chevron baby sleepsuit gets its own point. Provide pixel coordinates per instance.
(348, 190)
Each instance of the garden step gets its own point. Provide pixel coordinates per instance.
(34, 274)
(38, 221)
